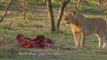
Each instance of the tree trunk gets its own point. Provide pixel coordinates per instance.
(79, 3)
(44, 2)
(100, 2)
(50, 14)
(24, 8)
(6, 9)
(61, 10)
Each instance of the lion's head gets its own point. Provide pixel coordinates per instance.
(69, 16)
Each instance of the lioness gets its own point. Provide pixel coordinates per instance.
(82, 26)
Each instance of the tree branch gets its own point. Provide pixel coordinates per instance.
(5, 11)
(61, 10)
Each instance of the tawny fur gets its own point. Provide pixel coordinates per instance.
(82, 26)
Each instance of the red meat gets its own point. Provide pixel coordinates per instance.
(39, 42)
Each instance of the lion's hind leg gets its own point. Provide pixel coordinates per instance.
(101, 38)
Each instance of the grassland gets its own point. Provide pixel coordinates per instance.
(37, 23)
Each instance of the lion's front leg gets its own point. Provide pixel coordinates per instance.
(82, 40)
(76, 40)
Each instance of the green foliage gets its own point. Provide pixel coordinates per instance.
(91, 9)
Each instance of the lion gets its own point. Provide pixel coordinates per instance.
(82, 26)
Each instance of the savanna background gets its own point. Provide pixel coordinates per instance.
(31, 17)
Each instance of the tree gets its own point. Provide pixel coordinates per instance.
(50, 14)
(79, 3)
(61, 10)
(6, 9)
(44, 1)
(100, 2)
(24, 4)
